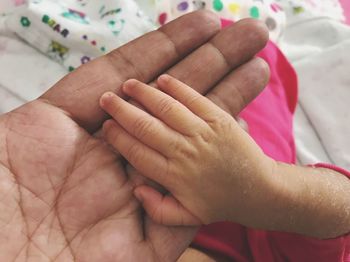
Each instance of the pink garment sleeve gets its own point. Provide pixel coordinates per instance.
(333, 167)
(298, 248)
(346, 6)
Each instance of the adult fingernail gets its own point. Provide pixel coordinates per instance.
(164, 78)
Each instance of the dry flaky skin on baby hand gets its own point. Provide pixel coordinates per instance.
(213, 169)
(197, 151)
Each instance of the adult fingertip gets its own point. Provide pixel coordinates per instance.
(210, 18)
(196, 28)
(259, 72)
(256, 30)
(241, 41)
(263, 70)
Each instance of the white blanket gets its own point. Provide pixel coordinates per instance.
(320, 52)
(20, 81)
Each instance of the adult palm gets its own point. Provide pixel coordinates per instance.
(64, 194)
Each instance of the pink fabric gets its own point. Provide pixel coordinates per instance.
(270, 118)
(333, 167)
(346, 7)
(275, 104)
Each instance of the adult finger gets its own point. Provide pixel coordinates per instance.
(241, 86)
(144, 59)
(204, 68)
(150, 55)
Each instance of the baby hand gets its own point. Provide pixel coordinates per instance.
(197, 151)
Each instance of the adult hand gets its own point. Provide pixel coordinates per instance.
(64, 195)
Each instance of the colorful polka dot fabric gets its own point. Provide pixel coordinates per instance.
(276, 14)
(268, 11)
(73, 32)
(300, 10)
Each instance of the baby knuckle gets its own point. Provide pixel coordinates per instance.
(135, 154)
(188, 152)
(166, 106)
(206, 136)
(142, 127)
(116, 109)
(173, 145)
(221, 122)
(180, 148)
(109, 130)
(193, 100)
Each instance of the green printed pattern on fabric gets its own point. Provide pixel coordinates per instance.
(75, 32)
